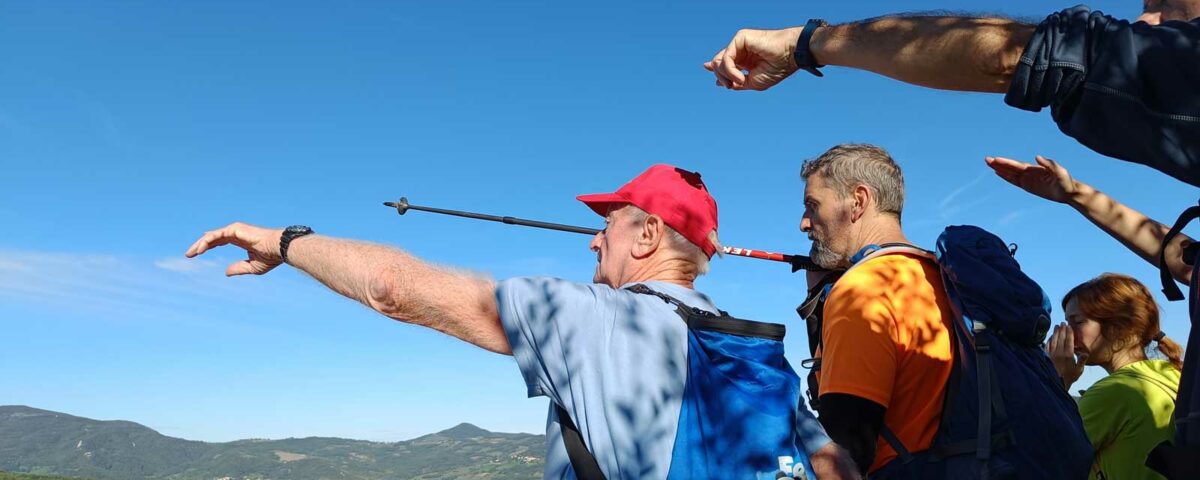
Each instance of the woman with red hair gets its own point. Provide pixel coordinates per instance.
(1111, 322)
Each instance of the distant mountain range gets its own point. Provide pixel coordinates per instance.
(34, 441)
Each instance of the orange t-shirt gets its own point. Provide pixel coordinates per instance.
(886, 339)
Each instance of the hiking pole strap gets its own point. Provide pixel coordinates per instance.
(582, 461)
(1170, 289)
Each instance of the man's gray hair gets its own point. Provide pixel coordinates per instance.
(848, 165)
(676, 241)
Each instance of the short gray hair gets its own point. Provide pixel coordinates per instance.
(848, 165)
(676, 241)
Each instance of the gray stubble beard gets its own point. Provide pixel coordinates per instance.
(826, 258)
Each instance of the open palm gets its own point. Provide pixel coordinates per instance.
(1046, 179)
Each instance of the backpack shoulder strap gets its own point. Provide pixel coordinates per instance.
(582, 461)
(872, 251)
(1170, 289)
(699, 319)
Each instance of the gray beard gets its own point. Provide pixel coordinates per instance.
(826, 258)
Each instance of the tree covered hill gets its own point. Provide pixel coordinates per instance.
(51, 443)
(26, 476)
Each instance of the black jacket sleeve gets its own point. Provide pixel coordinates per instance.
(854, 424)
(1126, 90)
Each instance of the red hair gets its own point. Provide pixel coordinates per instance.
(1125, 311)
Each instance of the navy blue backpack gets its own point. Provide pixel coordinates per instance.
(1006, 413)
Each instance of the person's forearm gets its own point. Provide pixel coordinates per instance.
(951, 53)
(1137, 232)
(403, 287)
(833, 463)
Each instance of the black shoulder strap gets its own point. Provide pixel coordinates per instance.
(644, 290)
(582, 461)
(813, 313)
(1170, 289)
(699, 319)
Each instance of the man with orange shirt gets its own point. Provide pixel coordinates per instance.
(886, 346)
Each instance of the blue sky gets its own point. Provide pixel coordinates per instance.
(127, 129)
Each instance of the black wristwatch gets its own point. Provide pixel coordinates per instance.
(803, 56)
(291, 233)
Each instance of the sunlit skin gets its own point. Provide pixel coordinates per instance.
(839, 226)
(1085, 333)
(632, 249)
(828, 222)
(1155, 12)
(612, 246)
(1080, 342)
(1100, 351)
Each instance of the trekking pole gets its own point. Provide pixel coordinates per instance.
(798, 262)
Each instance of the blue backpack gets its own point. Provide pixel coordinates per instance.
(740, 404)
(1006, 413)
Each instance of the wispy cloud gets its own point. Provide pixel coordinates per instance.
(1011, 217)
(185, 265)
(6, 264)
(125, 286)
(951, 204)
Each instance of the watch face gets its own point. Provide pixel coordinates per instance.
(297, 229)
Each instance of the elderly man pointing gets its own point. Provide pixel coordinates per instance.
(637, 366)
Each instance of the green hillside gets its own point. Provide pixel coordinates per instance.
(44, 442)
(26, 476)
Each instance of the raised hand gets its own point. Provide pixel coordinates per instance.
(1046, 179)
(765, 54)
(1061, 349)
(261, 246)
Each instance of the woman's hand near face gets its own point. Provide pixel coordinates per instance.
(1061, 349)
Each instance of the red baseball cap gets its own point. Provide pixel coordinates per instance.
(676, 195)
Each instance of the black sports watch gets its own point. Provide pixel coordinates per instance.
(803, 56)
(291, 233)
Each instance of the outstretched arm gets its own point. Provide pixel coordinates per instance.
(386, 279)
(946, 52)
(951, 53)
(1139, 233)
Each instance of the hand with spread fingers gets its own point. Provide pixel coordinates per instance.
(1047, 179)
(261, 246)
(765, 54)
(1061, 349)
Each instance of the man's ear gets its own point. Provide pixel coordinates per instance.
(861, 198)
(649, 236)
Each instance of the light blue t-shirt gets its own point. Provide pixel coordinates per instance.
(616, 361)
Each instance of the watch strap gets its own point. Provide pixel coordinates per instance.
(803, 56)
(291, 233)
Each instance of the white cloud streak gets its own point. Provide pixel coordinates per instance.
(123, 286)
(185, 265)
(1011, 217)
(951, 205)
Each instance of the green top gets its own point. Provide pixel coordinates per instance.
(1128, 413)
